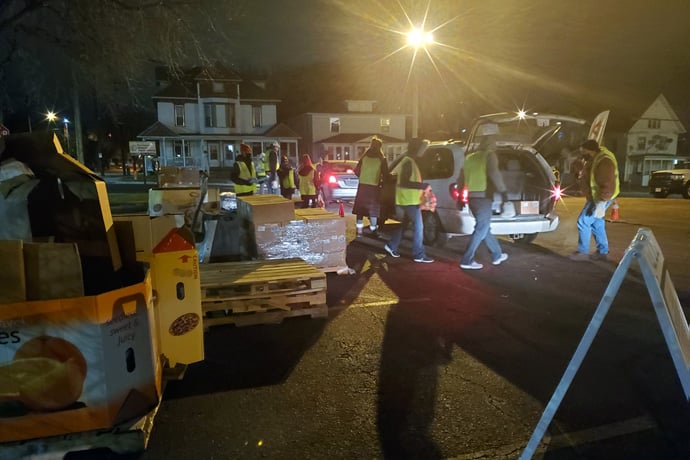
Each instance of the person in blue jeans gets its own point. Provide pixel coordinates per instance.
(481, 176)
(407, 199)
(600, 183)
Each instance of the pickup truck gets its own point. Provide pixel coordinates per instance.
(667, 181)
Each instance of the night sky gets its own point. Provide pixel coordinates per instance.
(560, 55)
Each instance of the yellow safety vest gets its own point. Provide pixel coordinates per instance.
(289, 180)
(245, 174)
(267, 162)
(370, 171)
(408, 196)
(260, 170)
(306, 184)
(604, 153)
(475, 171)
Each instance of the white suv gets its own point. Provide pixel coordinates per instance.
(522, 142)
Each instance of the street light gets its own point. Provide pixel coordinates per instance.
(418, 39)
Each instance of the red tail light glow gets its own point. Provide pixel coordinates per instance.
(332, 180)
(557, 193)
(465, 195)
(350, 171)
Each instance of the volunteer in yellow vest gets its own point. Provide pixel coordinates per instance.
(243, 174)
(600, 183)
(286, 177)
(408, 193)
(270, 159)
(480, 174)
(259, 166)
(371, 169)
(307, 182)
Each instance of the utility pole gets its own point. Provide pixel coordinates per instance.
(78, 141)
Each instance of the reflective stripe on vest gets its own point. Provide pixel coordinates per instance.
(408, 196)
(289, 180)
(245, 174)
(475, 171)
(370, 172)
(603, 153)
(306, 184)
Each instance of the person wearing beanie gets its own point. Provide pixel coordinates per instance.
(600, 184)
(243, 173)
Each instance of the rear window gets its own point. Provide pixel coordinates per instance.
(437, 163)
(342, 167)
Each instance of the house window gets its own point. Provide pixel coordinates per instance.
(641, 143)
(335, 125)
(218, 87)
(385, 125)
(219, 115)
(179, 115)
(653, 124)
(182, 149)
(256, 116)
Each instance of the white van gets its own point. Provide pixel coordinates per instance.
(522, 143)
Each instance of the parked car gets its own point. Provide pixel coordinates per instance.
(676, 180)
(338, 180)
(521, 142)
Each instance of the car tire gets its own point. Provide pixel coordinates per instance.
(433, 232)
(526, 238)
(686, 190)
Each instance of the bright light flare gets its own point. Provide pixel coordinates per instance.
(557, 193)
(420, 38)
(521, 114)
(50, 116)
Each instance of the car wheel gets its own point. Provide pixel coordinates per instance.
(660, 194)
(686, 190)
(523, 238)
(432, 229)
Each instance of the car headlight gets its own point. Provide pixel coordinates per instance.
(677, 177)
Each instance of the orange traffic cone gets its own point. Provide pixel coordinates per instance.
(341, 210)
(615, 214)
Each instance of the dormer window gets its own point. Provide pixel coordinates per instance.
(653, 124)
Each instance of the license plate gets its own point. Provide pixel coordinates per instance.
(658, 189)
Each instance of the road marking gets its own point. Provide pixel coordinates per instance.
(589, 435)
(381, 303)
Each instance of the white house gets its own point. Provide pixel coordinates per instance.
(652, 142)
(205, 115)
(345, 135)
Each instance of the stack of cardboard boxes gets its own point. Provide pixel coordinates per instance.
(282, 232)
(77, 348)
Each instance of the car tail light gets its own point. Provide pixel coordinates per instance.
(454, 191)
(557, 193)
(458, 194)
(350, 171)
(332, 180)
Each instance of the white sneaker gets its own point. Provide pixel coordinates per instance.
(391, 252)
(503, 257)
(473, 266)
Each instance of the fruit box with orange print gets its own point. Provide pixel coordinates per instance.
(77, 364)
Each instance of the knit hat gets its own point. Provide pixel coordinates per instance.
(591, 145)
(245, 148)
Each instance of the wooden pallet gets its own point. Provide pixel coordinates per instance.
(261, 292)
(127, 438)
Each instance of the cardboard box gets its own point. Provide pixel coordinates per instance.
(528, 207)
(265, 209)
(67, 203)
(78, 364)
(315, 235)
(53, 271)
(12, 280)
(180, 200)
(177, 283)
(178, 176)
(149, 231)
